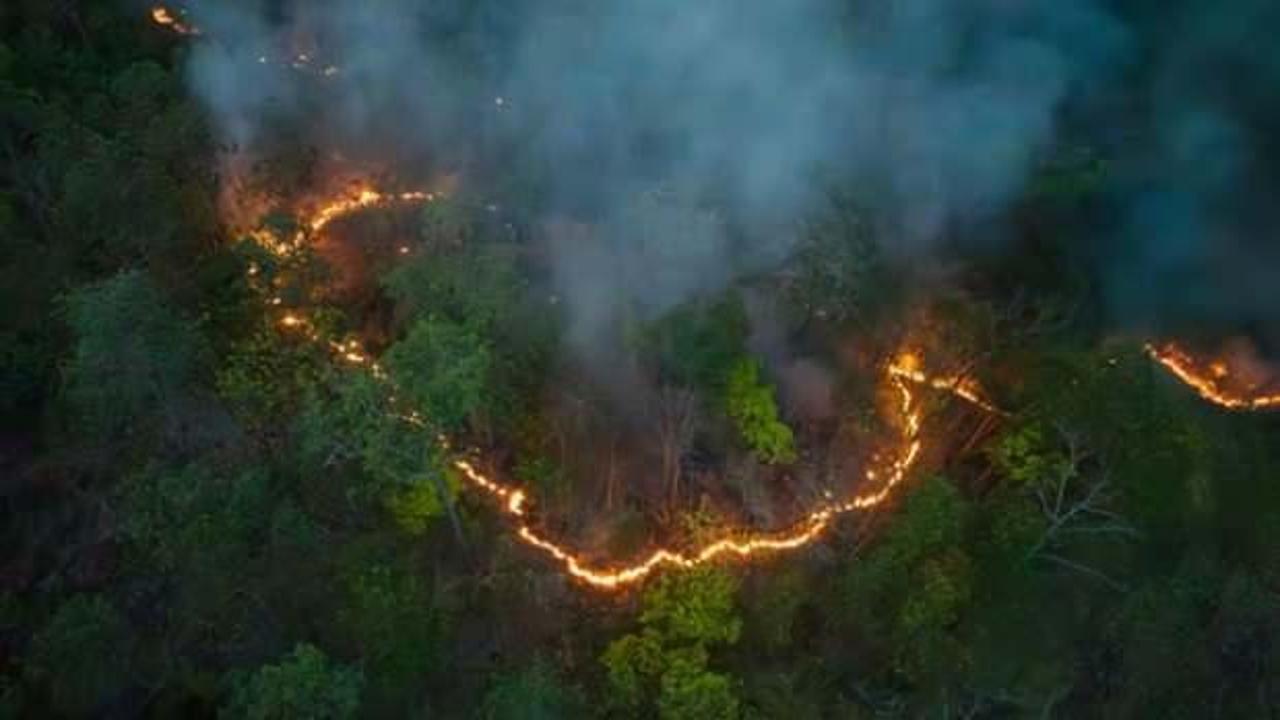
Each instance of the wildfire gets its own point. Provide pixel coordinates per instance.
(361, 199)
(514, 502)
(1208, 381)
(161, 15)
(908, 368)
(803, 533)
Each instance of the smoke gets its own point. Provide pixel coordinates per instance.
(1197, 172)
(691, 134)
(690, 137)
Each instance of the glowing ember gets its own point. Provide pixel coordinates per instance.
(1208, 381)
(362, 199)
(163, 16)
(805, 532)
(514, 502)
(908, 368)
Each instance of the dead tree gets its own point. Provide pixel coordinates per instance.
(676, 411)
(1074, 499)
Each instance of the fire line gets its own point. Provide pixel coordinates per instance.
(514, 503)
(1207, 382)
(905, 371)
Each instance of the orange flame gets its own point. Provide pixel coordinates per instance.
(162, 16)
(908, 368)
(359, 200)
(805, 532)
(514, 502)
(1207, 382)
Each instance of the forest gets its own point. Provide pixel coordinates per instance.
(505, 360)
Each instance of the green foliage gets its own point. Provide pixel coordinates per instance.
(476, 286)
(774, 607)
(698, 343)
(633, 663)
(82, 654)
(305, 684)
(535, 692)
(1025, 455)
(441, 368)
(690, 692)
(914, 586)
(682, 616)
(414, 505)
(750, 403)
(134, 356)
(265, 378)
(695, 607)
(390, 619)
(1111, 398)
(353, 421)
(201, 526)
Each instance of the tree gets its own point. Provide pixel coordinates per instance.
(391, 619)
(1074, 502)
(305, 684)
(441, 368)
(750, 403)
(691, 692)
(535, 692)
(911, 590)
(682, 616)
(697, 344)
(353, 420)
(134, 357)
(476, 286)
(82, 654)
(199, 525)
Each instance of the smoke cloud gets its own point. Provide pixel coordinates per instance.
(691, 134)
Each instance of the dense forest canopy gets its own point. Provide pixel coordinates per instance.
(492, 359)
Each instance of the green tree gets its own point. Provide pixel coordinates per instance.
(398, 465)
(200, 525)
(441, 369)
(134, 356)
(83, 654)
(691, 692)
(390, 618)
(666, 662)
(695, 607)
(914, 586)
(698, 343)
(535, 692)
(305, 684)
(474, 285)
(749, 401)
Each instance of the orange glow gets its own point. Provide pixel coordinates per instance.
(514, 502)
(1207, 381)
(741, 546)
(162, 16)
(361, 199)
(907, 367)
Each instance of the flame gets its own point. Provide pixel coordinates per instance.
(808, 530)
(514, 502)
(907, 367)
(1207, 382)
(162, 16)
(361, 199)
